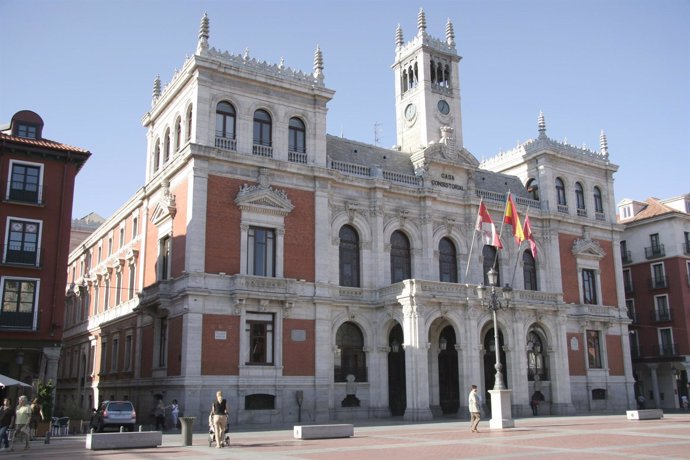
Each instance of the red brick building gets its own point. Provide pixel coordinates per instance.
(38, 177)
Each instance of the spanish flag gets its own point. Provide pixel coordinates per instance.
(527, 230)
(511, 217)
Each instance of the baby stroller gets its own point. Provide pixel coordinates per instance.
(212, 435)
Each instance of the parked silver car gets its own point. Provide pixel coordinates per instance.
(116, 414)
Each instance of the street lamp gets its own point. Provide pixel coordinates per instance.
(501, 416)
(494, 304)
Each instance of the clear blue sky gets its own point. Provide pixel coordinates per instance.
(87, 67)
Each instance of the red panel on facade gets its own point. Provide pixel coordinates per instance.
(179, 230)
(220, 347)
(615, 354)
(174, 346)
(146, 350)
(298, 355)
(576, 358)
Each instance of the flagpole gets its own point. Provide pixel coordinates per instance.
(517, 258)
(474, 237)
(503, 222)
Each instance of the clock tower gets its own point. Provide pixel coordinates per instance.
(427, 89)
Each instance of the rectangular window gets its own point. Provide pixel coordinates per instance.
(92, 356)
(162, 341)
(630, 306)
(164, 258)
(261, 251)
(663, 312)
(589, 287)
(22, 242)
(25, 182)
(110, 245)
(132, 280)
(658, 276)
(627, 281)
(96, 298)
(135, 226)
(118, 288)
(122, 237)
(593, 349)
(106, 294)
(115, 349)
(27, 131)
(654, 241)
(100, 254)
(666, 345)
(128, 353)
(104, 348)
(19, 303)
(260, 334)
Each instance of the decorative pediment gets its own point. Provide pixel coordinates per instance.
(263, 199)
(587, 248)
(166, 206)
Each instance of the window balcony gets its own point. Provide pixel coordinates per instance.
(297, 157)
(563, 209)
(660, 316)
(626, 257)
(654, 252)
(226, 143)
(629, 289)
(262, 150)
(21, 192)
(666, 349)
(14, 255)
(600, 216)
(658, 282)
(581, 212)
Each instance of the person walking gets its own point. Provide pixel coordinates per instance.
(6, 421)
(175, 412)
(475, 413)
(36, 416)
(21, 425)
(159, 413)
(219, 410)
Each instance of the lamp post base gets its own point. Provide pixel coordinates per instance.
(501, 412)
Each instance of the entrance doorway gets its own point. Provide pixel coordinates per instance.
(397, 390)
(448, 377)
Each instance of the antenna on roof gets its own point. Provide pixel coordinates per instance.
(377, 131)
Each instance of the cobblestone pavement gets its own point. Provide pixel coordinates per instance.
(581, 437)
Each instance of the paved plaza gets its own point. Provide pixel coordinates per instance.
(582, 437)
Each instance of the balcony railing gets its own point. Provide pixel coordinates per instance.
(629, 289)
(297, 157)
(226, 143)
(661, 315)
(581, 212)
(626, 256)
(17, 255)
(262, 150)
(562, 208)
(600, 216)
(666, 349)
(653, 252)
(21, 192)
(658, 282)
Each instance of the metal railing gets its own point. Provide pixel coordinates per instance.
(666, 349)
(626, 257)
(653, 252)
(661, 315)
(21, 192)
(17, 255)
(658, 282)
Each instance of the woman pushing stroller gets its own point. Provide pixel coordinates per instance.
(219, 416)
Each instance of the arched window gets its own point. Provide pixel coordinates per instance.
(297, 136)
(433, 71)
(529, 271)
(349, 354)
(178, 134)
(262, 128)
(579, 196)
(447, 261)
(446, 77)
(560, 192)
(166, 146)
(189, 123)
(490, 261)
(536, 356)
(400, 257)
(225, 120)
(533, 189)
(349, 256)
(157, 156)
(598, 202)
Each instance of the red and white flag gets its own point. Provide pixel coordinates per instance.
(527, 230)
(486, 227)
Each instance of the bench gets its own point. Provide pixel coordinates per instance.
(343, 430)
(124, 440)
(645, 414)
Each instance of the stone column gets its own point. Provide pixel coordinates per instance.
(416, 363)
(52, 356)
(655, 385)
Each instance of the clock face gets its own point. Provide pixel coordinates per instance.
(443, 107)
(410, 111)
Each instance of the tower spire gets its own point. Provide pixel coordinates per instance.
(421, 22)
(156, 89)
(450, 35)
(603, 144)
(202, 43)
(399, 37)
(541, 123)
(318, 64)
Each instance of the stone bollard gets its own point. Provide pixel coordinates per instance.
(187, 430)
(140, 429)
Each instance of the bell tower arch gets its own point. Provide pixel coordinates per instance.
(427, 88)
